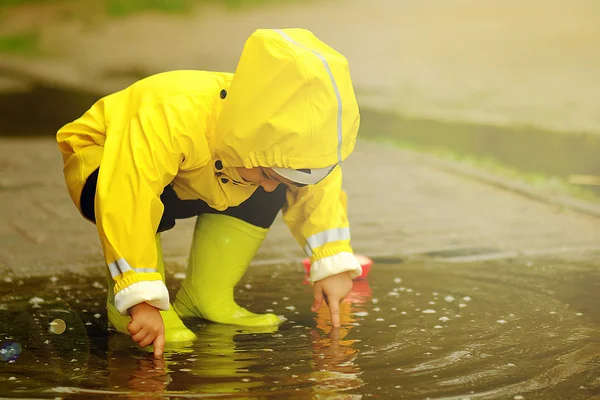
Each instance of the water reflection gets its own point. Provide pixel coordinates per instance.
(232, 360)
(334, 357)
(498, 329)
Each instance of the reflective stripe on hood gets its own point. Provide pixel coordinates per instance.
(291, 104)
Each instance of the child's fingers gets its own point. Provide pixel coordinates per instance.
(147, 340)
(134, 327)
(334, 311)
(140, 335)
(159, 345)
(318, 300)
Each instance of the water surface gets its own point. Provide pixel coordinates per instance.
(506, 329)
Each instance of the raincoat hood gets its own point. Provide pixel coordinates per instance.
(291, 104)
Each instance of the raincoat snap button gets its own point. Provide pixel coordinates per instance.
(223, 93)
(218, 165)
(224, 180)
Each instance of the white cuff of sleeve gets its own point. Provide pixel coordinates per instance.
(154, 293)
(333, 265)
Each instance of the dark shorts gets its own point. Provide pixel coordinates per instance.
(259, 210)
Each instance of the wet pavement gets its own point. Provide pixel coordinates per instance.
(506, 329)
(476, 292)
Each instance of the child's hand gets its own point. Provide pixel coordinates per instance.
(146, 327)
(333, 289)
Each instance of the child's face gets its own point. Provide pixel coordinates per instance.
(264, 177)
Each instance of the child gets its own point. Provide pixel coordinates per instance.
(233, 150)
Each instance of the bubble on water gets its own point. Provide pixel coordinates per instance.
(275, 303)
(444, 319)
(402, 289)
(379, 319)
(291, 308)
(518, 397)
(552, 312)
(449, 299)
(579, 314)
(185, 370)
(403, 313)
(432, 302)
(376, 309)
(97, 315)
(10, 351)
(462, 305)
(467, 298)
(192, 359)
(397, 280)
(438, 327)
(285, 298)
(12, 378)
(248, 286)
(88, 323)
(361, 313)
(287, 368)
(409, 290)
(510, 365)
(269, 310)
(73, 360)
(392, 326)
(375, 300)
(36, 301)
(396, 294)
(58, 326)
(8, 279)
(417, 294)
(429, 311)
(393, 309)
(53, 279)
(501, 321)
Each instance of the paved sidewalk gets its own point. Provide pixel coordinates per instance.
(400, 203)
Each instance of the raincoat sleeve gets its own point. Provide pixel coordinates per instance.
(316, 215)
(139, 160)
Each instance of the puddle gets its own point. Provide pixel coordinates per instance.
(41, 110)
(497, 329)
(526, 149)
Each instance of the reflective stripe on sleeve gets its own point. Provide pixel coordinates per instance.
(328, 236)
(121, 266)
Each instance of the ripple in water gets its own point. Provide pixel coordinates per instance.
(489, 330)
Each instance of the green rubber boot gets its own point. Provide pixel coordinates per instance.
(222, 249)
(175, 330)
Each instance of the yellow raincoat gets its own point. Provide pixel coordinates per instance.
(290, 104)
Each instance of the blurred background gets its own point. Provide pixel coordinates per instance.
(510, 85)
